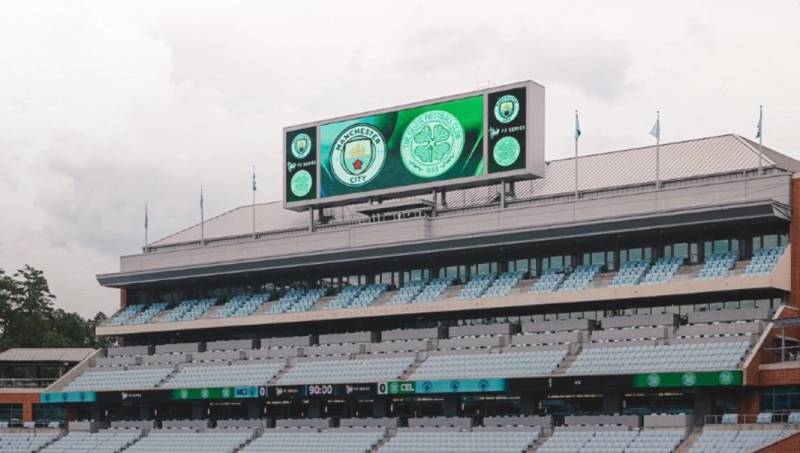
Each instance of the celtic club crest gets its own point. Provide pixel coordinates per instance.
(506, 151)
(301, 183)
(689, 379)
(653, 380)
(726, 378)
(506, 108)
(432, 143)
(301, 146)
(358, 154)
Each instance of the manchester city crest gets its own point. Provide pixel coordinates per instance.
(506, 108)
(301, 146)
(432, 143)
(358, 154)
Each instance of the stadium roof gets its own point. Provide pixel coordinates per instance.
(45, 354)
(708, 156)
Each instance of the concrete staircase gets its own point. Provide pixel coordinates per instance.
(281, 373)
(690, 440)
(565, 364)
(411, 369)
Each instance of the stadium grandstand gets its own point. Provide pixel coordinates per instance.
(637, 312)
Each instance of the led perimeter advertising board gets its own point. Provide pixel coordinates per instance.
(459, 141)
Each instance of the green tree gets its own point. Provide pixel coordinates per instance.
(28, 318)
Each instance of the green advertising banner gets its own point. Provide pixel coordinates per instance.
(219, 393)
(67, 397)
(688, 379)
(434, 142)
(442, 386)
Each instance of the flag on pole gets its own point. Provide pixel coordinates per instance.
(145, 215)
(577, 126)
(656, 130)
(760, 120)
(254, 178)
(201, 199)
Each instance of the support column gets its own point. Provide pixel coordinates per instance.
(794, 241)
(527, 403)
(450, 406)
(314, 408)
(379, 407)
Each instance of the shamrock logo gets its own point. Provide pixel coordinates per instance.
(431, 143)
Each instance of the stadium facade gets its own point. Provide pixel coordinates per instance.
(635, 312)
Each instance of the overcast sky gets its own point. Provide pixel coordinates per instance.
(107, 105)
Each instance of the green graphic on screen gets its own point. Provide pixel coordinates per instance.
(434, 142)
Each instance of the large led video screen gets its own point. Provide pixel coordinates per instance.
(458, 141)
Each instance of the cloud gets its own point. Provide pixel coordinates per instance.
(106, 106)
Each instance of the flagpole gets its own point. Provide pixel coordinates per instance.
(146, 241)
(658, 150)
(577, 135)
(760, 138)
(202, 219)
(254, 201)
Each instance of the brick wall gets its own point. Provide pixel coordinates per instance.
(794, 240)
(27, 400)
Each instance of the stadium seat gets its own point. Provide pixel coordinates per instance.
(644, 357)
(411, 440)
(25, 442)
(718, 265)
(188, 441)
(764, 261)
(630, 273)
(287, 440)
(105, 441)
(133, 379)
(486, 364)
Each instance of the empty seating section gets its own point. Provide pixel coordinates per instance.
(434, 289)
(482, 365)
(476, 286)
(243, 373)
(580, 278)
(242, 305)
(717, 265)
(369, 295)
(764, 261)
(630, 273)
(602, 441)
(408, 440)
(24, 442)
(648, 357)
(549, 281)
(148, 314)
(106, 441)
(503, 285)
(358, 296)
(484, 285)
(132, 379)
(408, 292)
(346, 370)
(176, 441)
(300, 441)
(297, 300)
(345, 296)
(663, 270)
(735, 441)
(656, 441)
(126, 314)
(190, 309)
